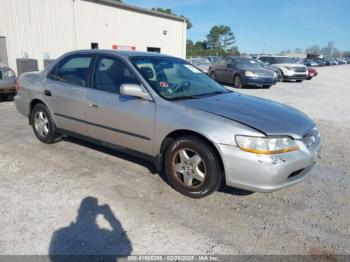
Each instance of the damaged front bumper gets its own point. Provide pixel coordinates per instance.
(267, 173)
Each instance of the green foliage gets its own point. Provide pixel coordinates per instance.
(221, 37)
(169, 12)
(220, 42)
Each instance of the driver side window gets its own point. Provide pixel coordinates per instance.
(110, 74)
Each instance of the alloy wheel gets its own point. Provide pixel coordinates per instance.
(189, 167)
(41, 124)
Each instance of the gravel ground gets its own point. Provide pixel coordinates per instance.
(69, 190)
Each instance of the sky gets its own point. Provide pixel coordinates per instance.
(266, 25)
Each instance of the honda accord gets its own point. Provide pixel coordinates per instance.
(164, 109)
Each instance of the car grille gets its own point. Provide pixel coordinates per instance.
(299, 69)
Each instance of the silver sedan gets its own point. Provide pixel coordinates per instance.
(7, 81)
(166, 110)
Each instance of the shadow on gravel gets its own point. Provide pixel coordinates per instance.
(149, 165)
(234, 191)
(84, 240)
(9, 98)
(112, 152)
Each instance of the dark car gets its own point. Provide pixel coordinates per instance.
(242, 72)
(310, 62)
(320, 61)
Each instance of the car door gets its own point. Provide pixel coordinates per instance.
(229, 71)
(219, 69)
(65, 89)
(113, 118)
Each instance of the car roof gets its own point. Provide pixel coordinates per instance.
(124, 53)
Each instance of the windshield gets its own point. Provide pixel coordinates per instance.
(175, 79)
(248, 63)
(283, 60)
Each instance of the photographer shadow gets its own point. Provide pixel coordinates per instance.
(84, 240)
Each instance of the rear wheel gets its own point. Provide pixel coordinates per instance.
(299, 81)
(237, 81)
(192, 167)
(267, 86)
(43, 125)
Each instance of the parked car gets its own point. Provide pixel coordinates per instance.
(7, 82)
(310, 62)
(312, 72)
(242, 72)
(201, 63)
(289, 69)
(272, 68)
(320, 61)
(165, 110)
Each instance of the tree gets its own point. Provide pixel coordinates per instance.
(315, 49)
(169, 12)
(221, 37)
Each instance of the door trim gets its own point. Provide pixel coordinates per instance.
(104, 127)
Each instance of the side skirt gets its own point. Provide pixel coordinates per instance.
(155, 160)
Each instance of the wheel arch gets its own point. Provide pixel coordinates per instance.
(184, 132)
(32, 104)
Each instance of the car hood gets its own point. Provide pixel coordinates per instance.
(268, 117)
(292, 65)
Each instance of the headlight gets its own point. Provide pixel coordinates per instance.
(250, 74)
(266, 145)
(288, 67)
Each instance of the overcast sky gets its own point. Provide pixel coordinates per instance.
(274, 24)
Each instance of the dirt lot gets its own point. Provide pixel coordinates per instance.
(49, 193)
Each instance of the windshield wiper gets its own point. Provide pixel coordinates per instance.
(182, 98)
(211, 94)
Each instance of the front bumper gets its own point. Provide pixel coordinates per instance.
(303, 76)
(259, 81)
(267, 173)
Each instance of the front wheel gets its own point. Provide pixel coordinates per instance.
(237, 82)
(192, 167)
(280, 77)
(43, 125)
(212, 75)
(299, 81)
(267, 86)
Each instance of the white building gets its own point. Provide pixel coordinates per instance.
(42, 29)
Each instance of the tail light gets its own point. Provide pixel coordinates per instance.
(17, 85)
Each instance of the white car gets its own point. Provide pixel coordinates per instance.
(289, 69)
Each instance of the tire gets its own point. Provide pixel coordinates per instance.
(299, 81)
(280, 77)
(237, 82)
(213, 75)
(267, 86)
(43, 125)
(192, 167)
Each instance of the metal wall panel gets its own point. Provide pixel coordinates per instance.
(44, 28)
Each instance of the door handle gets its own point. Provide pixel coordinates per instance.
(93, 105)
(47, 93)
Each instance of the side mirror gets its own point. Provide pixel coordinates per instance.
(134, 90)
(229, 65)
